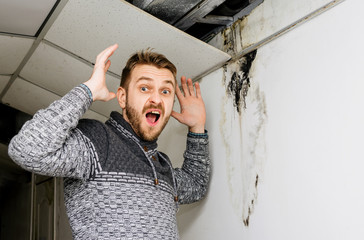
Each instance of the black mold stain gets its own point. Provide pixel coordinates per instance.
(225, 71)
(246, 220)
(229, 41)
(239, 83)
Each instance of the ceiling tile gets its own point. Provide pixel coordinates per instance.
(87, 27)
(3, 81)
(29, 98)
(23, 17)
(59, 72)
(12, 52)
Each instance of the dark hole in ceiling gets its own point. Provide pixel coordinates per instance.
(201, 19)
(204, 31)
(230, 7)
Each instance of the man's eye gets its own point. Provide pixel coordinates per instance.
(144, 89)
(165, 91)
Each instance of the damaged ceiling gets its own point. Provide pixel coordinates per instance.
(201, 19)
(49, 46)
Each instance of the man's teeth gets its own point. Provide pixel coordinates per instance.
(155, 112)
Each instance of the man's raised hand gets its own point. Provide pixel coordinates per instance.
(97, 82)
(193, 113)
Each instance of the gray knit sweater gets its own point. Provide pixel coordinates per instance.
(117, 186)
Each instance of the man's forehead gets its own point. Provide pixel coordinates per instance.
(152, 73)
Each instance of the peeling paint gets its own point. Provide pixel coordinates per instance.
(243, 129)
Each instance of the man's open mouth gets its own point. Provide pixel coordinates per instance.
(153, 117)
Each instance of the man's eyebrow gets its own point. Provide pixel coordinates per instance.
(151, 79)
(170, 82)
(144, 78)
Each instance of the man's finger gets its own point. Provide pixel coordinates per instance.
(101, 54)
(111, 96)
(198, 90)
(177, 116)
(179, 93)
(104, 55)
(184, 86)
(108, 63)
(109, 52)
(190, 87)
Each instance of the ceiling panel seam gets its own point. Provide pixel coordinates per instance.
(79, 58)
(36, 43)
(59, 96)
(47, 18)
(16, 35)
(39, 86)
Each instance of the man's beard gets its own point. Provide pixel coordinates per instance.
(135, 120)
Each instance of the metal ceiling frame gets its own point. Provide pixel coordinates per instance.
(199, 14)
(142, 3)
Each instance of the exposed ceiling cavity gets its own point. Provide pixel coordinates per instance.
(201, 19)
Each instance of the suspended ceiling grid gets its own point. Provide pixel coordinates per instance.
(35, 71)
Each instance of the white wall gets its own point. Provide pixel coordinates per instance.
(301, 132)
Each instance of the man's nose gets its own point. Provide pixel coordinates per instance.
(155, 97)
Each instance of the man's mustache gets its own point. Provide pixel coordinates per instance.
(153, 106)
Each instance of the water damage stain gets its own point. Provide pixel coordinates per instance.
(244, 134)
(250, 211)
(233, 39)
(239, 82)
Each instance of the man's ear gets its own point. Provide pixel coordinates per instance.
(121, 96)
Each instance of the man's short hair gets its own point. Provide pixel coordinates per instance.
(145, 57)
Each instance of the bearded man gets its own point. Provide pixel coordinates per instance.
(117, 184)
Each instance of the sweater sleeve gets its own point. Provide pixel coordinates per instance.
(50, 144)
(193, 177)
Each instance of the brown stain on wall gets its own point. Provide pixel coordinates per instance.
(233, 38)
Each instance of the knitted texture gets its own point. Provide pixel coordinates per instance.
(109, 171)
